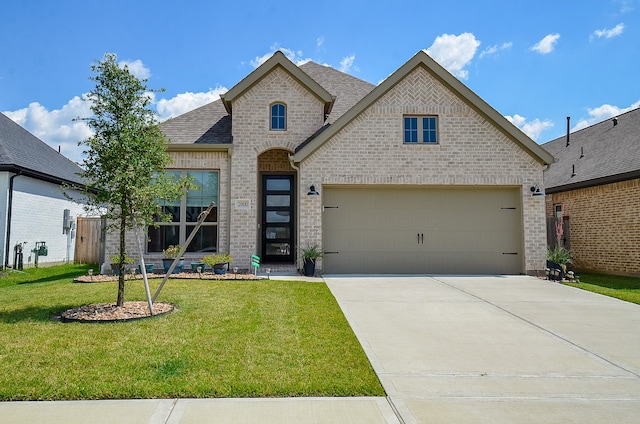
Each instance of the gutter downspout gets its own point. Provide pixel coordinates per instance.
(9, 208)
(298, 199)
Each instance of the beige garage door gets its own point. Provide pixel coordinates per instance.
(441, 230)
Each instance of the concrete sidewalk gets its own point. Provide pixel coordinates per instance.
(198, 411)
(496, 349)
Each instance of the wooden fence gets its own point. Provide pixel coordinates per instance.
(89, 241)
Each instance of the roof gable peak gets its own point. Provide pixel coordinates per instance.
(422, 59)
(277, 60)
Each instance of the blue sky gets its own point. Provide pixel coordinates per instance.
(534, 62)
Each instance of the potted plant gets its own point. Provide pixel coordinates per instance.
(218, 262)
(558, 257)
(170, 254)
(310, 253)
(115, 262)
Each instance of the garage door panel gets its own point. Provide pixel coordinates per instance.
(422, 230)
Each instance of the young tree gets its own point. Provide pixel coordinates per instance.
(126, 157)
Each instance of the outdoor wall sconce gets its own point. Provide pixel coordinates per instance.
(312, 191)
(535, 191)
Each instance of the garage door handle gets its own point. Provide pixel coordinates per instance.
(509, 253)
(420, 238)
(330, 253)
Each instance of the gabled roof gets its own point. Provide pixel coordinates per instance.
(211, 124)
(600, 154)
(278, 59)
(21, 151)
(442, 75)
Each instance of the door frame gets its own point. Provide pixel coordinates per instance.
(292, 225)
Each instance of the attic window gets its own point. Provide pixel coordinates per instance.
(421, 129)
(278, 117)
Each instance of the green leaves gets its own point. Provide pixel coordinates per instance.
(126, 152)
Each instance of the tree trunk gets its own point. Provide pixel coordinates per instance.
(123, 246)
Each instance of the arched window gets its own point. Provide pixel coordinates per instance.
(278, 116)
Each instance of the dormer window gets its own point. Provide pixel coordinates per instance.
(278, 117)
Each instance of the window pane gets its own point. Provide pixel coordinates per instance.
(410, 130)
(205, 240)
(278, 116)
(278, 249)
(277, 233)
(193, 213)
(277, 184)
(162, 237)
(206, 188)
(278, 200)
(278, 216)
(173, 212)
(429, 129)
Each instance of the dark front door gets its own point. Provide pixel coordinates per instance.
(278, 218)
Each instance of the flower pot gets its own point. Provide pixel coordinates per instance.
(196, 265)
(147, 267)
(220, 269)
(309, 267)
(166, 263)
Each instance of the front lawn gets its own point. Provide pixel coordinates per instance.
(625, 288)
(227, 339)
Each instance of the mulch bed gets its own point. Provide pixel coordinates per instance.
(182, 275)
(110, 312)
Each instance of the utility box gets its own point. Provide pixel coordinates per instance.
(41, 248)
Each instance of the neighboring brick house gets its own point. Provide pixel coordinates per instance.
(32, 205)
(415, 175)
(595, 184)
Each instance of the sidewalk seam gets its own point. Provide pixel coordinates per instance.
(173, 406)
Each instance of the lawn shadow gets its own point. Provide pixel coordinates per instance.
(33, 313)
(69, 275)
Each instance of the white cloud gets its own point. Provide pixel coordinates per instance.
(607, 33)
(137, 68)
(320, 41)
(292, 55)
(56, 127)
(184, 102)
(547, 44)
(495, 49)
(454, 52)
(347, 63)
(531, 128)
(601, 113)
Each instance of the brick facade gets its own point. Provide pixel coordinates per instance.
(370, 151)
(252, 137)
(604, 226)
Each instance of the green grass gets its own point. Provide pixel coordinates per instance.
(624, 288)
(228, 339)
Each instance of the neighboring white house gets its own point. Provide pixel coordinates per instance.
(414, 175)
(32, 204)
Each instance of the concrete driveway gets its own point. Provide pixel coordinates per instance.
(517, 349)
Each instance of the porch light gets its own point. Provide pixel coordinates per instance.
(535, 191)
(312, 191)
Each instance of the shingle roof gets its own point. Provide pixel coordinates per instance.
(208, 124)
(211, 124)
(22, 151)
(348, 89)
(599, 154)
